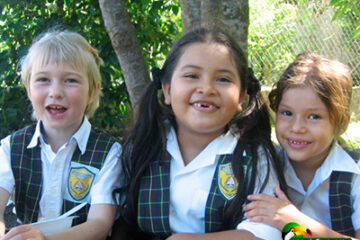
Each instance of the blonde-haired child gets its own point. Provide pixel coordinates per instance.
(312, 105)
(61, 161)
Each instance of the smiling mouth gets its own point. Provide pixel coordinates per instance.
(56, 109)
(205, 105)
(298, 142)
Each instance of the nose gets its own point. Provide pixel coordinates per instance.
(56, 90)
(298, 125)
(206, 86)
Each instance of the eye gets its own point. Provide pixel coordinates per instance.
(286, 113)
(192, 76)
(223, 79)
(42, 79)
(314, 117)
(71, 80)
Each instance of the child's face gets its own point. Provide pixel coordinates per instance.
(303, 126)
(59, 95)
(204, 92)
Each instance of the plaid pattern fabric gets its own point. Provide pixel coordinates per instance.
(216, 202)
(27, 170)
(340, 200)
(26, 166)
(153, 203)
(97, 148)
(154, 197)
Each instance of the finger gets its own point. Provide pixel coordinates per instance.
(262, 219)
(24, 232)
(259, 197)
(14, 232)
(258, 215)
(280, 194)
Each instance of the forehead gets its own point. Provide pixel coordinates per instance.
(47, 60)
(57, 68)
(196, 51)
(302, 98)
(208, 56)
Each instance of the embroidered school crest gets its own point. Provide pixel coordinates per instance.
(80, 181)
(226, 181)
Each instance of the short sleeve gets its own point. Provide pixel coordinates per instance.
(6, 175)
(108, 178)
(355, 192)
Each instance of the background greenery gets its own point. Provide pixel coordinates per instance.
(158, 24)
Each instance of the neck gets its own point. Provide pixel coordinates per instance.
(191, 144)
(304, 173)
(57, 138)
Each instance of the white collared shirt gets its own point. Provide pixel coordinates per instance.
(55, 170)
(315, 201)
(190, 186)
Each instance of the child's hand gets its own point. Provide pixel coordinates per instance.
(24, 232)
(275, 211)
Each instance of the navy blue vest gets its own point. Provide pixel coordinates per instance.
(27, 169)
(341, 207)
(154, 197)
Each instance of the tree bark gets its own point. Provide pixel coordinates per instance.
(123, 38)
(236, 16)
(190, 14)
(232, 15)
(211, 13)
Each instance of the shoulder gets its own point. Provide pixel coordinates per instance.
(27, 130)
(100, 133)
(354, 153)
(23, 135)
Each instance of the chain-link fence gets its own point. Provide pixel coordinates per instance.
(281, 29)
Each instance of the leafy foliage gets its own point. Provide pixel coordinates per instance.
(270, 38)
(347, 7)
(157, 24)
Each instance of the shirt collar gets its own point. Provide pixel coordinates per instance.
(223, 144)
(339, 160)
(80, 137)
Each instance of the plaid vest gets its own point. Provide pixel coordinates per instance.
(154, 197)
(340, 200)
(27, 169)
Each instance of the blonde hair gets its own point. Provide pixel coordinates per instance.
(330, 79)
(60, 47)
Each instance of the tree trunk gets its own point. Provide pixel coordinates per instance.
(232, 15)
(190, 14)
(236, 16)
(211, 13)
(123, 38)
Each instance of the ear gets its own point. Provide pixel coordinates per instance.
(241, 99)
(166, 88)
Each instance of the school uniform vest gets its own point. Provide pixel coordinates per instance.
(27, 169)
(340, 200)
(154, 197)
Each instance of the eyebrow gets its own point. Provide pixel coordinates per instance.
(67, 73)
(218, 70)
(308, 109)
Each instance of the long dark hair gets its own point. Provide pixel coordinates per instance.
(147, 139)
